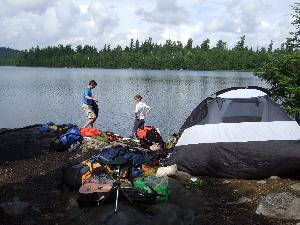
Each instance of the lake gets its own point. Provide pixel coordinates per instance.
(39, 95)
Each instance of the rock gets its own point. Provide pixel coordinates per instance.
(261, 182)
(242, 200)
(273, 178)
(226, 182)
(167, 171)
(283, 205)
(182, 176)
(16, 198)
(30, 222)
(14, 208)
(72, 203)
(164, 181)
(36, 209)
(294, 209)
(295, 187)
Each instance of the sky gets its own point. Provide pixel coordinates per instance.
(28, 23)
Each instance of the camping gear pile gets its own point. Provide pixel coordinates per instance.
(70, 137)
(127, 170)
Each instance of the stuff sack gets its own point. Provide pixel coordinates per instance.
(63, 141)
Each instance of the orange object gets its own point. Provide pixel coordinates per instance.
(141, 133)
(148, 170)
(89, 132)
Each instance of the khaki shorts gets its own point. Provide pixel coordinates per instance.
(89, 111)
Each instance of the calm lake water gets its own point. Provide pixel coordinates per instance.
(40, 95)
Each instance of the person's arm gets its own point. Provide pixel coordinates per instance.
(136, 110)
(148, 108)
(86, 95)
(91, 98)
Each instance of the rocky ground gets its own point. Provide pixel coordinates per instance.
(30, 192)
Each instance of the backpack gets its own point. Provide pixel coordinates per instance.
(148, 136)
(64, 140)
(77, 175)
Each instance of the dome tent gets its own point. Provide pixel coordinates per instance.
(239, 133)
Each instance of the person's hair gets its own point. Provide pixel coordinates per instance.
(92, 82)
(138, 97)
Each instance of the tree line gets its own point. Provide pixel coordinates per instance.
(150, 55)
(7, 56)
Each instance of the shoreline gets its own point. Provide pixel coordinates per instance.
(99, 68)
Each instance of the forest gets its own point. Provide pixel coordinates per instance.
(149, 55)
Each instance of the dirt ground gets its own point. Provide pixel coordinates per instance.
(33, 174)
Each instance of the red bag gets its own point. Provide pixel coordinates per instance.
(89, 132)
(141, 133)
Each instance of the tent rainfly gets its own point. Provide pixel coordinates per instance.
(239, 133)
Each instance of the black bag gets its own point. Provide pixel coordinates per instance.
(140, 195)
(152, 136)
(72, 177)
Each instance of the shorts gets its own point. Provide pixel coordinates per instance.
(89, 111)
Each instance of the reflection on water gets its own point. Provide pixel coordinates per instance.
(39, 95)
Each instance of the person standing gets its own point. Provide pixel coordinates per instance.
(87, 102)
(141, 110)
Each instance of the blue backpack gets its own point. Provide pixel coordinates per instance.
(63, 141)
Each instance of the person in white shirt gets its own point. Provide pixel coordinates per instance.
(141, 110)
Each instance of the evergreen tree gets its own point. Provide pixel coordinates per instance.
(270, 48)
(221, 45)
(205, 44)
(295, 40)
(240, 45)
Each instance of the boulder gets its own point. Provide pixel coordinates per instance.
(295, 187)
(283, 205)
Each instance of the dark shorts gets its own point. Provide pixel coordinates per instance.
(137, 124)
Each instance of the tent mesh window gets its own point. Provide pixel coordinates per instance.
(243, 110)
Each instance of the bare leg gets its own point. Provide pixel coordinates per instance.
(90, 123)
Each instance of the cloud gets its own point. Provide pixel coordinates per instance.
(27, 23)
(63, 22)
(27, 5)
(165, 12)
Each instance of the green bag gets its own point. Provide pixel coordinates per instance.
(162, 191)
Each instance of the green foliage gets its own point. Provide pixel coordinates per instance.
(282, 72)
(7, 56)
(240, 46)
(221, 45)
(148, 55)
(195, 182)
(205, 44)
(295, 40)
